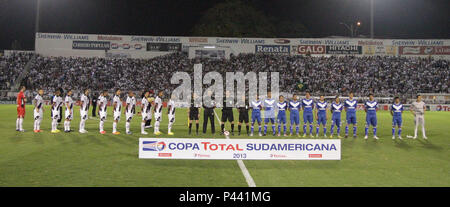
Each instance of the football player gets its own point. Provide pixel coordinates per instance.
(38, 110)
(84, 109)
(68, 102)
(129, 110)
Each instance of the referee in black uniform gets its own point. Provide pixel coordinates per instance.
(243, 115)
(94, 105)
(209, 114)
(194, 114)
(227, 113)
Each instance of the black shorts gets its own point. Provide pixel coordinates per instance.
(243, 117)
(193, 115)
(227, 115)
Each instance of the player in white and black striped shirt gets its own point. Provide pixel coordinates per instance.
(38, 110)
(84, 109)
(158, 112)
(117, 109)
(130, 110)
(171, 114)
(102, 110)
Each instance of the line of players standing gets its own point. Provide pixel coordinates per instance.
(148, 103)
(269, 106)
(320, 108)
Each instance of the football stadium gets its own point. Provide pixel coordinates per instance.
(250, 104)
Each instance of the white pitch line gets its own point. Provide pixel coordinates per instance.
(248, 177)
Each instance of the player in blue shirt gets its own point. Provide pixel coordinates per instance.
(336, 109)
(350, 107)
(322, 116)
(256, 107)
(308, 106)
(281, 117)
(371, 108)
(396, 112)
(294, 113)
(269, 113)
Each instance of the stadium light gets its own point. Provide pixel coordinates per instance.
(352, 28)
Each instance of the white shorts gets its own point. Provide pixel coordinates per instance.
(146, 116)
(68, 115)
(38, 115)
(55, 114)
(84, 114)
(158, 117)
(103, 115)
(129, 116)
(419, 119)
(117, 115)
(171, 118)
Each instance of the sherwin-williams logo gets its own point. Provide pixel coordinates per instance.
(153, 146)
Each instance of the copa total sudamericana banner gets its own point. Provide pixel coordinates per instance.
(240, 149)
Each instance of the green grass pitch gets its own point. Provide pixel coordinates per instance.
(74, 159)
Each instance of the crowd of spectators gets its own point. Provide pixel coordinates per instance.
(382, 76)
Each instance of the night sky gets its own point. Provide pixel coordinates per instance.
(392, 19)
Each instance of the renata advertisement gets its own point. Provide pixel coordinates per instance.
(311, 49)
(240, 149)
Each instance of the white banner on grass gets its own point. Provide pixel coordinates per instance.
(240, 149)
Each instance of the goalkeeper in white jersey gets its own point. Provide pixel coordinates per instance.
(117, 109)
(171, 114)
(130, 110)
(38, 110)
(158, 112)
(84, 109)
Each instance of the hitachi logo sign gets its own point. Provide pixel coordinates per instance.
(272, 49)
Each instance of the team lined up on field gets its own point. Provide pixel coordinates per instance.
(269, 106)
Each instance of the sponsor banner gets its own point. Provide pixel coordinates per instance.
(62, 36)
(282, 41)
(164, 47)
(276, 49)
(343, 49)
(442, 50)
(239, 41)
(418, 42)
(109, 38)
(424, 50)
(370, 42)
(311, 49)
(410, 50)
(327, 42)
(440, 107)
(198, 39)
(240, 149)
(90, 45)
(155, 39)
(379, 50)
